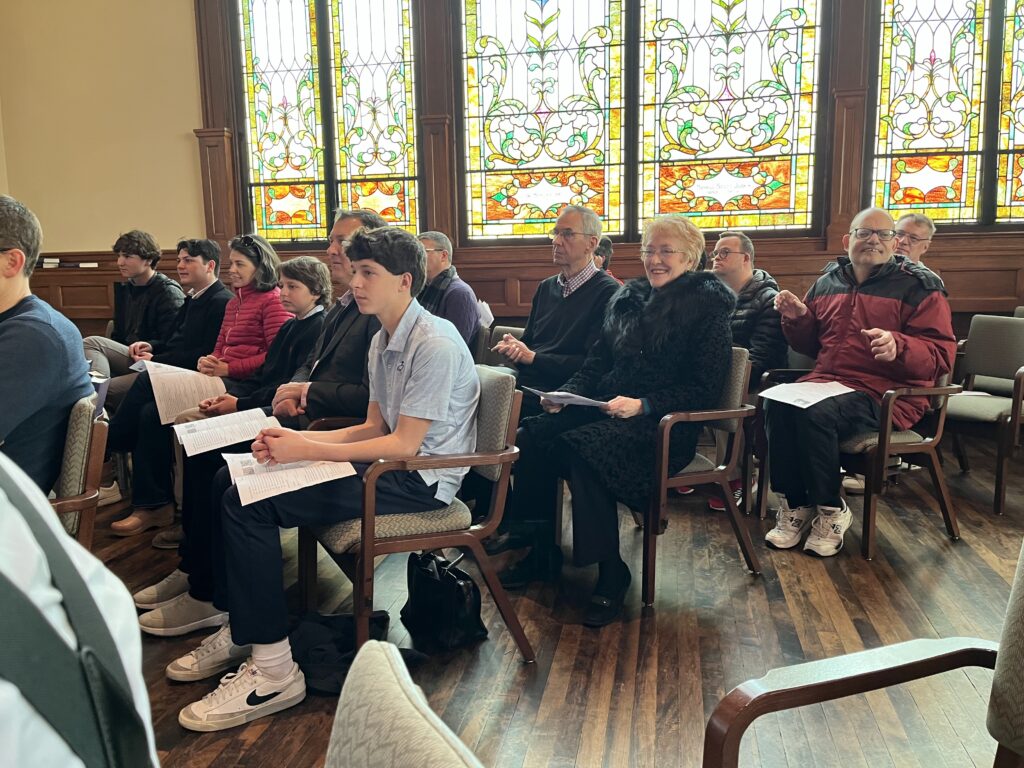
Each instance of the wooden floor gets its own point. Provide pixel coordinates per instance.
(638, 693)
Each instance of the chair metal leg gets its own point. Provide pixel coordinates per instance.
(500, 596)
(746, 547)
(960, 453)
(867, 544)
(1004, 450)
(650, 555)
(763, 476)
(362, 599)
(945, 502)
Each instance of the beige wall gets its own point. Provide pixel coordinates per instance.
(3, 157)
(99, 102)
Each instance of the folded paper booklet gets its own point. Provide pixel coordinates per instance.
(178, 389)
(566, 398)
(219, 431)
(257, 481)
(804, 394)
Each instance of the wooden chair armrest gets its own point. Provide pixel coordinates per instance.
(379, 467)
(333, 422)
(828, 679)
(743, 412)
(79, 503)
(952, 389)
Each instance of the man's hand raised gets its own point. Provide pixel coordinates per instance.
(883, 344)
(789, 306)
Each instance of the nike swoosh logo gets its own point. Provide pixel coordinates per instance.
(255, 699)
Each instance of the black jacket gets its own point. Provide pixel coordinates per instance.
(195, 328)
(757, 326)
(670, 347)
(146, 312)
(287, 352)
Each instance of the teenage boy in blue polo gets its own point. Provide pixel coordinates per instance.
(423, 398)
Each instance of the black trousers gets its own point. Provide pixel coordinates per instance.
(595, 519)
(803, 444)
(136, 427)
(246, 544)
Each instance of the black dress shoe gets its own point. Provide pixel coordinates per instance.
(539, 565)
(604, 609)
(504, 542)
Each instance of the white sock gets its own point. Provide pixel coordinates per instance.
(274, 659)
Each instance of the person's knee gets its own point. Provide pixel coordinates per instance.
(93, 343)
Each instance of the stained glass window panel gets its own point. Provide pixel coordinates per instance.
(729, 110)
(543, 109)
(283, 120)
(1010, 192)
(931, 85)
(375, 108)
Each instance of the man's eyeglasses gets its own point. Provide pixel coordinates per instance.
(914, 239)
(723, 253)
(565, 234)
(863, 233)
(663, 253)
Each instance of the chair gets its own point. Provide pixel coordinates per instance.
(1018, 312)
(77, 490)
(993, 362)
(726, 419)
(829, 679)
(354, 544)
(383, 719)
(493, 358)
(481, 344)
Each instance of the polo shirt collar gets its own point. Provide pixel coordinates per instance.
(400, 337)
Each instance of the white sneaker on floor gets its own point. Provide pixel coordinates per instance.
(180, 616)
(242, 697)
(215, 654)
(827, 530)
(109, 494)
(162, 592)
(790, 525)
(854, 485)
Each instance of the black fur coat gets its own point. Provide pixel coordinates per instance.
(670, 346)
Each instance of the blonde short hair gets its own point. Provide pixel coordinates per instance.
(690, 240)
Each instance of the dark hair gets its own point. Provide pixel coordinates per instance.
(138, 243)
(207, 250)
(312, 273)
(604, 250)
(369, 219)
(263, 257)
(394, 249)
(746, 244)
(19, 228)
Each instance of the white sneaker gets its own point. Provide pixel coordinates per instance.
(180, 616)
(854, 485)
(162, 592)
(827, 530)
(109, 494)
(214, 655)
(790, 525)
(242, 697)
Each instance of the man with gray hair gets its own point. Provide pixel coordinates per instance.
(44, 372)
(914, 233)
(445, 293)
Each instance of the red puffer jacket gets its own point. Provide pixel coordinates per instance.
(900, 296)
(251, 321)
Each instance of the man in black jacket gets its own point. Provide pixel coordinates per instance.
(144, 309)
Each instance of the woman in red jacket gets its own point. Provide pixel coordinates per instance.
(255, 314)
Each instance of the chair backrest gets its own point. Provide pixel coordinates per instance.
(75, 462)
(1006, 706)
(1018, 312)
(481, 344)
(497, 396)
(800, 361)
(493, 358)
(383, 719)
(735, 390)
(995, 347)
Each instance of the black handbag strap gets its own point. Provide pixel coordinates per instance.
(49, 673)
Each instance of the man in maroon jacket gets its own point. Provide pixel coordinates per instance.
(874, 321)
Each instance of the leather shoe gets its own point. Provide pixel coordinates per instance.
(538, 565)
(504, 542)
(604, 609)
(142, 520)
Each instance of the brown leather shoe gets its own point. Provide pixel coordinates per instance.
(143, 519)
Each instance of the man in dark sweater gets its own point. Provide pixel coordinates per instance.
(145, 306)
(446, 294)
(44, 373)
(567, 311)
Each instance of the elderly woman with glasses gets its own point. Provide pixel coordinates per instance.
(664, 346)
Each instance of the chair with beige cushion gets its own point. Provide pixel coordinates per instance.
(992, 361)
(830, 679)
(354, 544)
(77, 489)
(383, 719)
(497, 333)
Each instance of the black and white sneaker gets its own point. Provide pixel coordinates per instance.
(242, 697)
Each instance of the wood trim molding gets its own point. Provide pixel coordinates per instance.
(220, 192)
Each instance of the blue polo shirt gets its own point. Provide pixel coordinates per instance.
(424, 370)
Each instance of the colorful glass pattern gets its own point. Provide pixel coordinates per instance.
(283, 121)
(729, 111)
(543, 109)
(930, 115)
(374, 107)
(1010, 191)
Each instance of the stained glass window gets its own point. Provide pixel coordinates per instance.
(283, 119)
(728, 111)
(930, 119)
(543, 113)
(1010, 192)
(374, 108)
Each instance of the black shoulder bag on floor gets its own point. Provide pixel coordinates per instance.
(84, 695)
(443, 609)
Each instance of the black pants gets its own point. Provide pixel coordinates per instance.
(803, 444)
(136, 427)
(246, 544)
(595, 519)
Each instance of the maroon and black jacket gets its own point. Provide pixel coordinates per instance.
(899, 296)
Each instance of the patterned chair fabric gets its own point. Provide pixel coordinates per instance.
(735, 390)
(383, 719)
(71, 480)
(861, 443)
(1006, 706)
